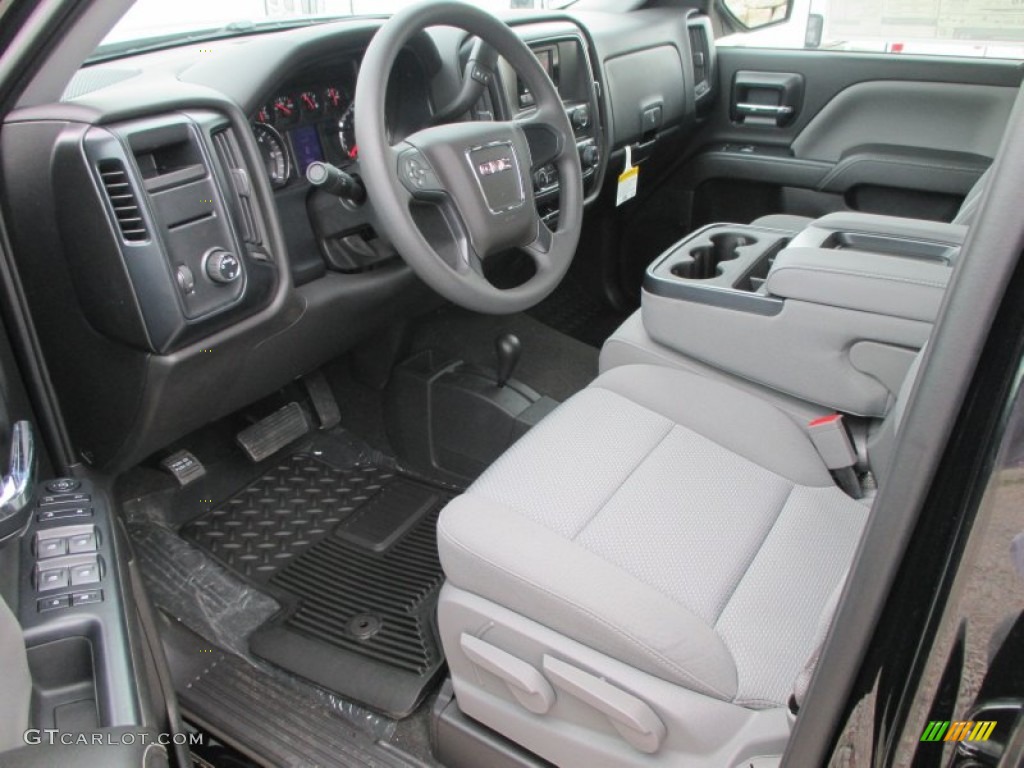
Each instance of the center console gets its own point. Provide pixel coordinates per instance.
(833, 315)
(563, 53)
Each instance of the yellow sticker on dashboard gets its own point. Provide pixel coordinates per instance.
(628, 180)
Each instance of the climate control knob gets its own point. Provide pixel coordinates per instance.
(580, 118)
(223, 267)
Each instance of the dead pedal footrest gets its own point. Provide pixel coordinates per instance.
(269, 435)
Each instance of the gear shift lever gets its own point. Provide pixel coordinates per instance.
(509, 348)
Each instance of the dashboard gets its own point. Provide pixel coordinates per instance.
(179, 265)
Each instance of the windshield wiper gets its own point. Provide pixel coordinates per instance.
(232, 29)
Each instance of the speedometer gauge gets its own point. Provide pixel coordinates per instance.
(347, 133)
(274, 154)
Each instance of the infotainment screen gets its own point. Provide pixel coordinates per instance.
(306, 143)
(548, 58)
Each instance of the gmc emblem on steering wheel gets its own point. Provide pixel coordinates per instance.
(497, 165)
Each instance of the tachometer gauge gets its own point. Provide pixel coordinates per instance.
(310, 102)
(264, 115)
(347, 133)
(274, 154)
(284, 109)
(334, 98)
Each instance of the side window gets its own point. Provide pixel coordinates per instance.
(969, 28)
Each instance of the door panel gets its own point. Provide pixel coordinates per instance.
(827, 73)
(883, 134)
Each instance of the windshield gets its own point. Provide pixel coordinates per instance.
(160, 22)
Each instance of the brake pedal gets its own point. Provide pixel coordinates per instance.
(324, 404)
(267, 436)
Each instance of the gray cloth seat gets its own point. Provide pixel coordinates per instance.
(964, 216)
(673, 523)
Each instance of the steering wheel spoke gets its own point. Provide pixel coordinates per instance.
(540, 128)
(544, 249)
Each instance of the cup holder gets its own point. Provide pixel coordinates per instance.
(704, 261)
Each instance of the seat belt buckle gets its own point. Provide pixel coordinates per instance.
(829, 436)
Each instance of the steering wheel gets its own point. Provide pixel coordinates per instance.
(449, 196)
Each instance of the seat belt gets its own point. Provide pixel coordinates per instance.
(833, 443)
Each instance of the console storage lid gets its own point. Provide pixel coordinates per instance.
(890, 235)
(867, 282)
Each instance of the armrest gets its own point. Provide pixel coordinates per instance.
(862, 281)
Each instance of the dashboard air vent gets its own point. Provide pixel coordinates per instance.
(123, 201)
(230, 156)
(700, 50)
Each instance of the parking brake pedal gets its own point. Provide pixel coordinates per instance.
(324, 404)
(184, 466)
(267, 436)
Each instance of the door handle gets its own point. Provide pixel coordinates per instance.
(18, 483)
(766, 98)
(764, 110)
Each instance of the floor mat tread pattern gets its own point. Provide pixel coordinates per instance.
(276, 723)
(351, 556)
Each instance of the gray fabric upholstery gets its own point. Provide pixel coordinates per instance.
(969, 207)
(674, 523)
(803, 680)
(965, 216)
(862, 281)
(14, 703)
(632, 345)
(783, 221)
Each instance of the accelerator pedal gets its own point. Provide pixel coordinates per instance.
(267, 436)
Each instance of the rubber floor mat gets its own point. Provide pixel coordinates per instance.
(351, 555)
(264, 717)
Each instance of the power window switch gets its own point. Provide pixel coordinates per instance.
(83, 542)
(64, 514)
(54, 578)
(85, 574)
(63, 498)
(91, 597)
(51, 548)
(53, 603)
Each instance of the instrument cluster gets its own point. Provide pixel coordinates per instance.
(314, 121)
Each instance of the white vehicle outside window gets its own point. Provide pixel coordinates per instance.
(972, 28)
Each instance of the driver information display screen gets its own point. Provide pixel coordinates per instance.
(306, 142)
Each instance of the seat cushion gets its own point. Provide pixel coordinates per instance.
(672, 522)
